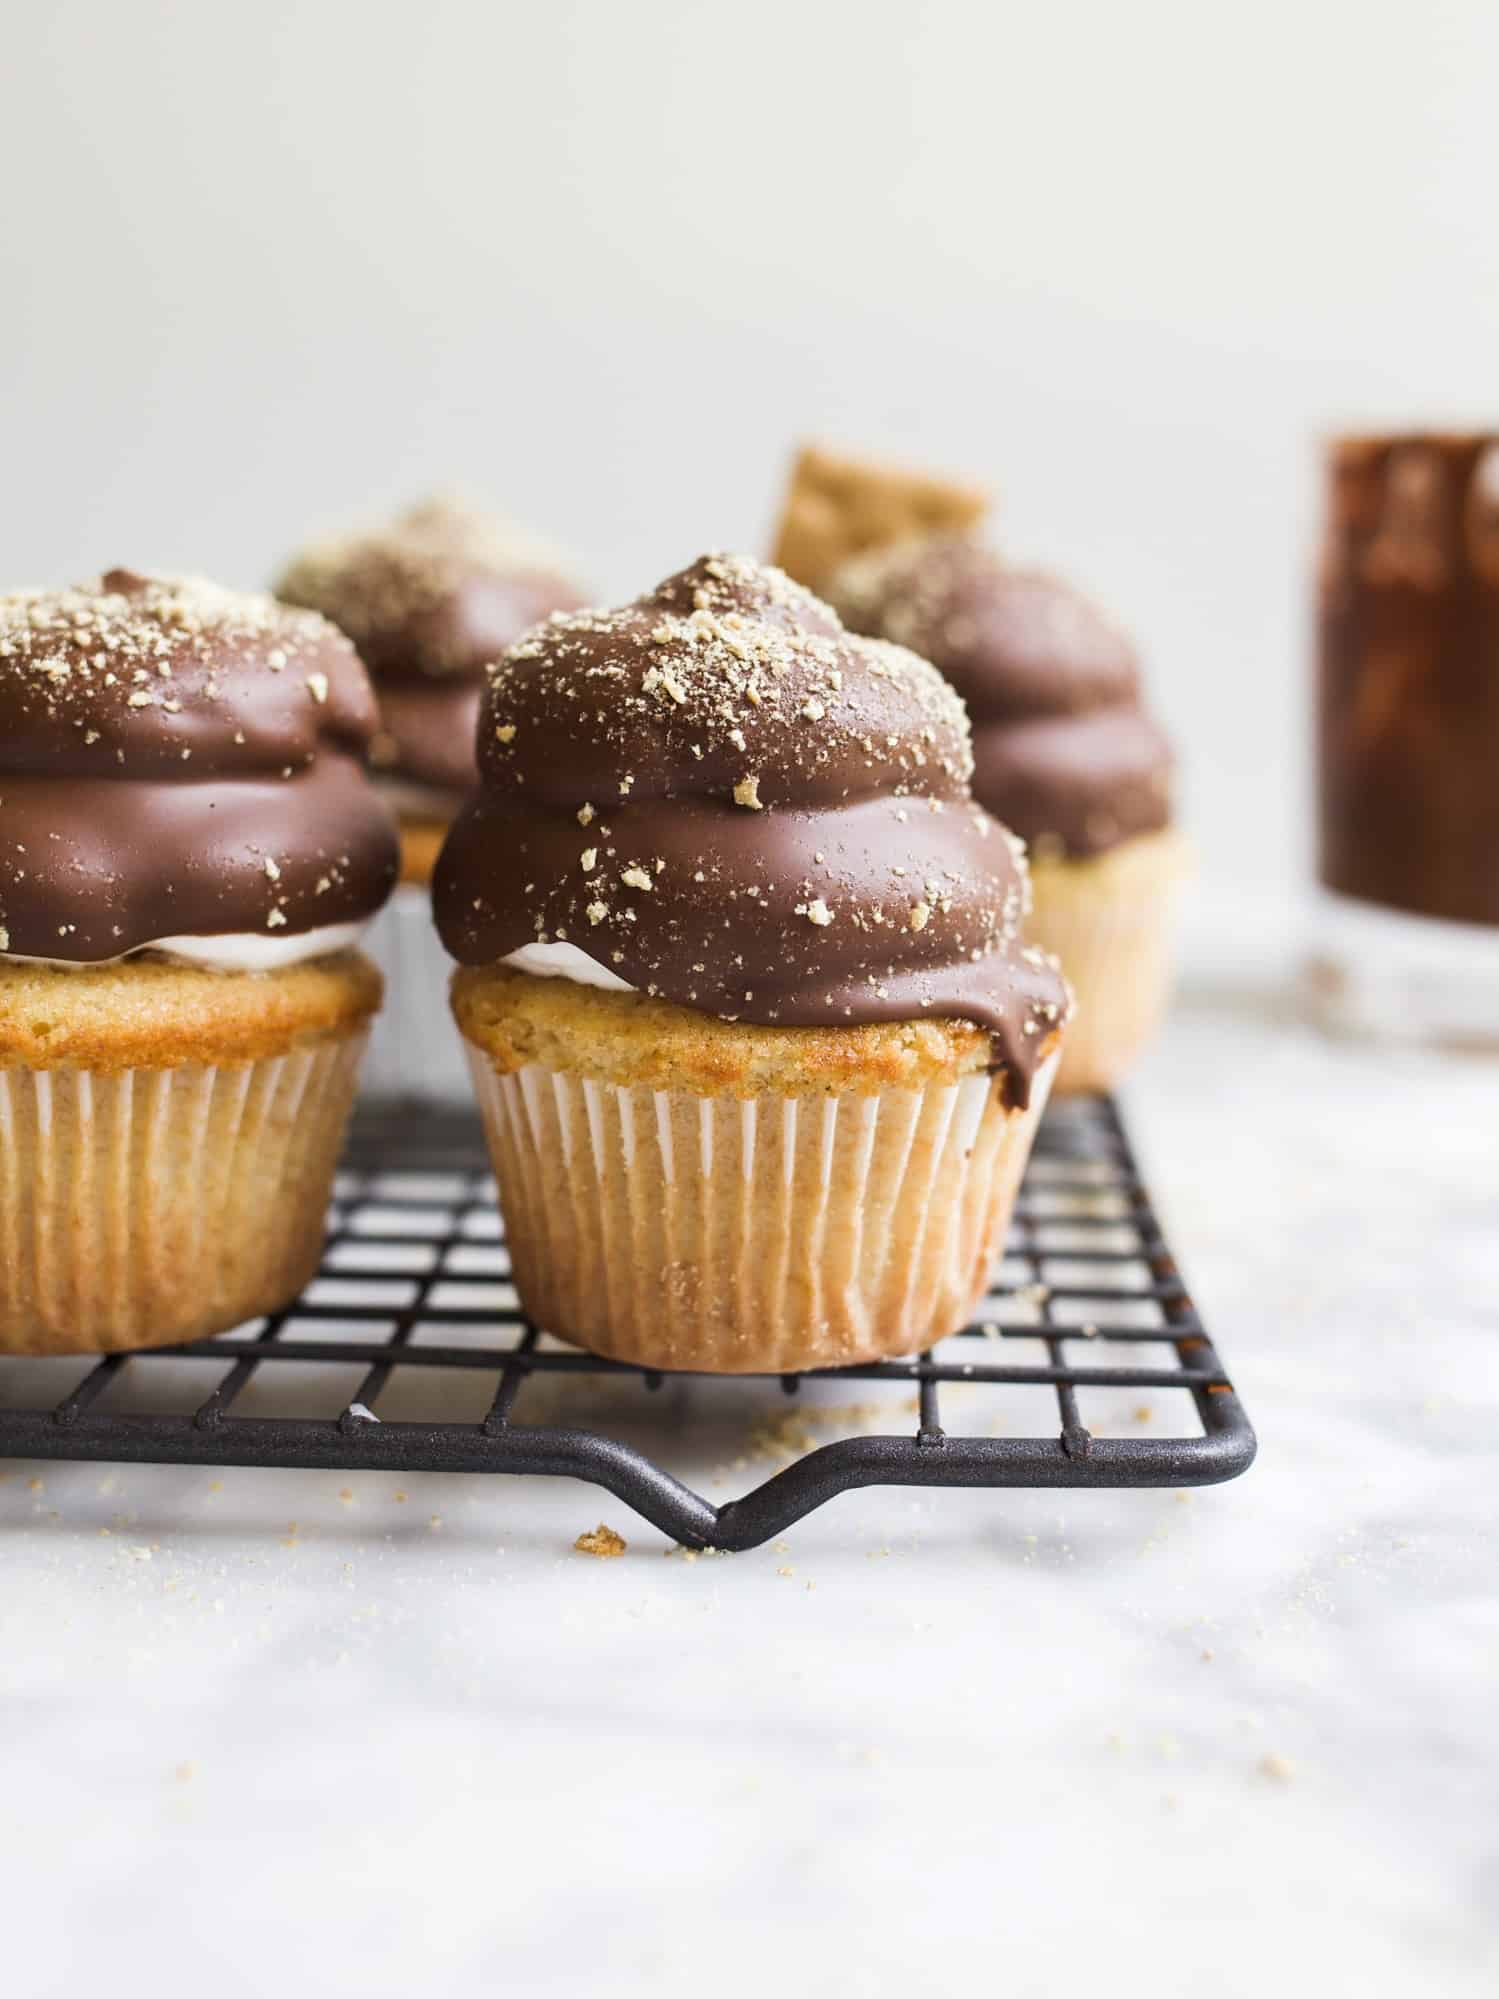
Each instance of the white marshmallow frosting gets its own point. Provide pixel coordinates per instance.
(245, 951)
(566, 961)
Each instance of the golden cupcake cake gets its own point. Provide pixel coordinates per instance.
(190, 851)
(429, 600)
(1066, 752)
(758, 1045)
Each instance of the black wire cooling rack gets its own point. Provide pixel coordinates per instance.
(410, 1352)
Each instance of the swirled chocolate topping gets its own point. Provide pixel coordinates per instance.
(730, 802)
(1409, 696)
(430, 601)
(177, 760)
(1063, 750)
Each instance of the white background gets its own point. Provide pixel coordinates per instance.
(276, 264)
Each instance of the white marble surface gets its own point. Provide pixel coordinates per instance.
(1154, 1743)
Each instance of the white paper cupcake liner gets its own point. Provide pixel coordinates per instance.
(415, 1050)
(149, 1206)
(752, 1235)
(1111, 922)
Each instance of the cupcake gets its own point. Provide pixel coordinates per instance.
(1065, 752)
(429, 602)
(758, 1048)
(189, 852)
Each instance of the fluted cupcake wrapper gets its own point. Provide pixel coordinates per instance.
(752, 1235)
(415, 1050)
(149, 1206)
(1110, 921)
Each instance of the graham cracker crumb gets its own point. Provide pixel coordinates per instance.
(602, 1541)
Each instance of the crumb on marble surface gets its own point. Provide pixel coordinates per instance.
(602, 1541)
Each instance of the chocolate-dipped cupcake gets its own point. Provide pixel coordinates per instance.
(1066, 753)
(759, 1048)
(429, 601)
(189, 851)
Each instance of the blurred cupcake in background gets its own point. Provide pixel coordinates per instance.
(429, 601)
(190, 850)
(758, 1043)
(1066, 753)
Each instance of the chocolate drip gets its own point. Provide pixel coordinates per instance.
(731, 802)
(1063, 749)
(176, 760)
(1409, 699)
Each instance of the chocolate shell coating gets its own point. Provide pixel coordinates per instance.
(1064, 750)
(730, 802)
(427, 730)
(430, 601)
(178, 760)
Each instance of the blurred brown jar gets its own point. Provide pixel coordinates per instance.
(1408, 708)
